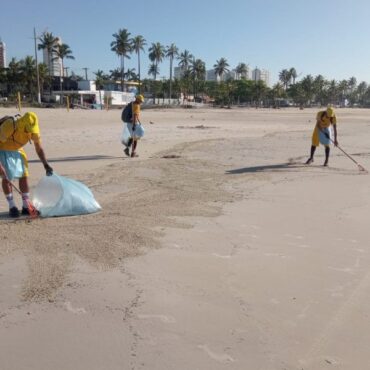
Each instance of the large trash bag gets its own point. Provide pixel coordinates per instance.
(60, 196)
(126, 135)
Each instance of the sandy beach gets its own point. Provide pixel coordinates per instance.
(216, 248)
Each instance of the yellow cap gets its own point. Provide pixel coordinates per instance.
(139, 97)
(30, 122)
(330, 112)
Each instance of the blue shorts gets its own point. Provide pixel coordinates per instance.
(13, 164)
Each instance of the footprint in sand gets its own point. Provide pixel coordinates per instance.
(77, 311)
(220, 357)
(163, 318)
(221, 256)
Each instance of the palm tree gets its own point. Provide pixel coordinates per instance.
(138, 43)
(156, 55)
(241, 69)
(131, 75)
(221, 68)
(14, 75)
(100, 78)
(185, 59)
(28, 68)
(122, 46)
(62, 51)
(153, 70)
(172, 51)
(198, 73)
(48, 42)
(293, 75)
(285, 77)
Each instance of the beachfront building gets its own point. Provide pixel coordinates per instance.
(53, 62)
(212, 76)
(178, 72)
(261, 75)
(2, 54)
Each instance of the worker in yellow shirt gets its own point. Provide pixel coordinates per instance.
(321, 134)
(15, 133)
(132, 119)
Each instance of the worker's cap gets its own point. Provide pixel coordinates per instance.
(330, 112)
(139, 98)
(30, 122)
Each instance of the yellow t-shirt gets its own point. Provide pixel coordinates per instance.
(135, 109)
(15, 136)
(324, 121)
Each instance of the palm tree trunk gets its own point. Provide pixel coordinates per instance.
(171, 61)
(138, 61)
(122, 71)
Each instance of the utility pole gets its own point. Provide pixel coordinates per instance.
(37, 69)
(85, 69)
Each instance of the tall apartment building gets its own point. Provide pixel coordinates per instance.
(2, 54)
(178, 72)
(211, 76)
(261, 74)
(53, 62)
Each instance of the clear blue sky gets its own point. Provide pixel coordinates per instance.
(328, 37)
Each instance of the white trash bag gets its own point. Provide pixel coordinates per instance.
(128, 133)
(60, 196)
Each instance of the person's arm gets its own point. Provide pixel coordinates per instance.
(41, 154)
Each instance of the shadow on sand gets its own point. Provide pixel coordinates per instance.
(267, 168)
(77, 158)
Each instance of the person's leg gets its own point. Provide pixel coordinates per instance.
(13, 210)
(327, 153)
(134, 145)
(127, 149)
(25, 190)
(310, 160)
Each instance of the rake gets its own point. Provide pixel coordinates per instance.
(360, 167)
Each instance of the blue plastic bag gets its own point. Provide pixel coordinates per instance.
(60, 196)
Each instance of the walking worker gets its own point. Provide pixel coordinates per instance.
(321, 134)
(131, 116)
(15, 133)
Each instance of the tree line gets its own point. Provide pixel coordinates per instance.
(21, 76)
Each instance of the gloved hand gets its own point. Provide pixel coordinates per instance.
(49, 170)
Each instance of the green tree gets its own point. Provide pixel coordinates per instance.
(28, 70)
(100, 79)
(185, 59)
(138, 43)
(156, 55)
(284, 78)
(242, 70)
(62, 51)
(172, 52)
(221, 68)
(48, 42)
(122, 46)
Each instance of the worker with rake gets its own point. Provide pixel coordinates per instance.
(321, 133)
(15, 133)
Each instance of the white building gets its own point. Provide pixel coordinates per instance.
(178, 72)
(2, 54)
(212, 76)
(261, 75)
(53, 62)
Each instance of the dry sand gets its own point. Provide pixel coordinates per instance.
(216, 248)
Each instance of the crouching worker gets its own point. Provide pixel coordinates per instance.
(321, 134)
(131, 116)
(15, 133)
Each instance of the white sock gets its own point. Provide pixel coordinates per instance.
(25, 199)
(10, 200)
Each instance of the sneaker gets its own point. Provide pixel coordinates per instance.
(309, 161)
(127, 151)
(14, 212)
(27, 212)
